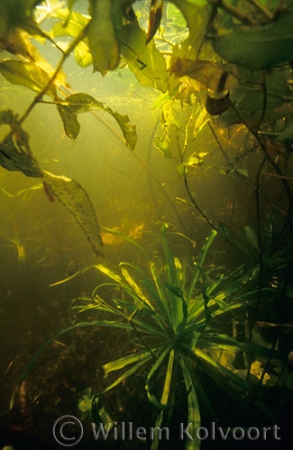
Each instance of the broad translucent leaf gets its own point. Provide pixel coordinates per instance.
(82, 54)
(145, 61)
(259, 48)
(197, 16)
(72, 195)
(26, 74)
(74, 24)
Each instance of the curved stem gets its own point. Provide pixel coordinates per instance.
(194, 202)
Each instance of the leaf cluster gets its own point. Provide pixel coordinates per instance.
(169, 314)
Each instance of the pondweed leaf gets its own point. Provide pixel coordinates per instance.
(72, 195)
(15, 152)
(27, 74)
(70, 122)
(80, 103)
(102, 39)
(259, 48)
(145, 61)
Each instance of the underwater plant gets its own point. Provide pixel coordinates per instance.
(171, 310)
(171, 314)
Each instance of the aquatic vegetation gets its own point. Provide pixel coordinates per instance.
(224, 115)
(187, 72)
(171, 314)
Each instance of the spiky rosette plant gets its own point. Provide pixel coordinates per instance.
(170, 311)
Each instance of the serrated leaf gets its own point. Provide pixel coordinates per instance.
(80, 103)
(259, 48)
(72, 195)
(26, 74)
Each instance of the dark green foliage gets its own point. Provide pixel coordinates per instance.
(259, 48)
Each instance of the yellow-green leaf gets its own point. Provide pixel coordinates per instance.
(72, 195)
(145, 61)
(128, 130)
(26, 74)
(79, 103)
(82, 54)
(74, 24)
(70, 122)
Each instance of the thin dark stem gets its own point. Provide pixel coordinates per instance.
(194, 202)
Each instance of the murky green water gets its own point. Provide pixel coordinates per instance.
(133, 193)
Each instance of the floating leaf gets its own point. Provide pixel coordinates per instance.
(26, 74)
(261, 47)
(79, 103)
(102, 40)
(72, 195)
